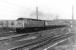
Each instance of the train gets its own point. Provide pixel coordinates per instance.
(32, 25)
(22, 25)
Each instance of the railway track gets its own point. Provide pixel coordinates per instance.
(17, 41)
(40, 40)
(3, 34)
(46, 43)
(39, 44)
(14, 34)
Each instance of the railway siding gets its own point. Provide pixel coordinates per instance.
(44, 38)
(5, 45)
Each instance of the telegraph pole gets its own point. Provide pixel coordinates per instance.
(37, 12)
(36, 2)
(72, 15)
(72, 21)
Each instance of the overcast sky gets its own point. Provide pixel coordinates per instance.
(12, 9)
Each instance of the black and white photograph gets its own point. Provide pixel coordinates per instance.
(37, 25)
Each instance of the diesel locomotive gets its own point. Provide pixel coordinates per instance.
(32, 25)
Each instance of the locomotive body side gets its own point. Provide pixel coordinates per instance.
(31, 25)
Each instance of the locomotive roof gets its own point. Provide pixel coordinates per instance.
(29, 19)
